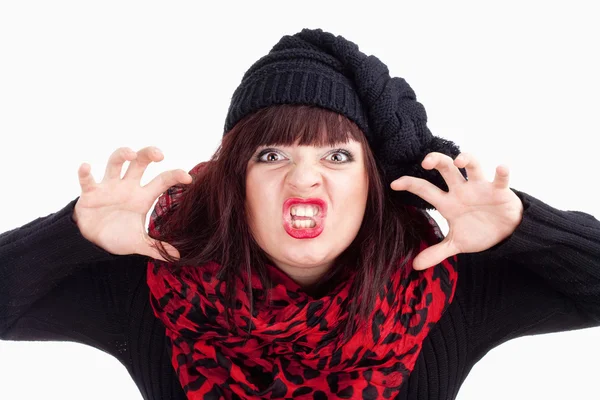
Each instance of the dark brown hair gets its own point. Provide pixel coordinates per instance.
(210, 223)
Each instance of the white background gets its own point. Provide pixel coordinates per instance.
(514, 83)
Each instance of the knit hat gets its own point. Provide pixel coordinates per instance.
(314, 67)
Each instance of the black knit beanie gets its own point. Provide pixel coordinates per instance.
(314, 67)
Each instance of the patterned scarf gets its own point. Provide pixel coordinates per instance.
(294, 348)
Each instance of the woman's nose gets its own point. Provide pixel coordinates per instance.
(304, 175)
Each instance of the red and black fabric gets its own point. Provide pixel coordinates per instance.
(294, 349)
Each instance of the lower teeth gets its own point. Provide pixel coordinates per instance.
(303, 224)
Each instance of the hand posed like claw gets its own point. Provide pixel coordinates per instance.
(480, 213)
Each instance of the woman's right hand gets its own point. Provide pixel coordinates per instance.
(112, 214)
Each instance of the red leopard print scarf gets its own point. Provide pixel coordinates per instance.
(294, 350)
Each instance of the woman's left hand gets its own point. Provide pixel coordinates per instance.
(480, 213)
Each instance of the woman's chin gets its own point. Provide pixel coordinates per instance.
(305, 260)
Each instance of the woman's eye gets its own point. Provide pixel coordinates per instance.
(340, 157)
(271, 156)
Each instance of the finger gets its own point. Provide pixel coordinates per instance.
(144, 157)
(165, 180)
(422, 188)
(502, 177)
(115, 162)
(434, 255)
(445, 165)
(86, 180)
(471, 164)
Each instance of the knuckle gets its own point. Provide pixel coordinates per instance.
(445, 163)
(446, 159)
(167, 178)
(119, 154)
(163, 179)
(151, 150)
(415, 183)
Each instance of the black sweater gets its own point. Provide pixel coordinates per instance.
(545, 277)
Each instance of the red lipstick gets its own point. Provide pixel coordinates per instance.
(304, 233)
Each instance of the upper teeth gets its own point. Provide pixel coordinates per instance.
(304, 211)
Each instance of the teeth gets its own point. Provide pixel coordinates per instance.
(304, 211)
(306, 223)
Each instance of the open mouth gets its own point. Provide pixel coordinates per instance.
(304, 218)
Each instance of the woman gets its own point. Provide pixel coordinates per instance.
(299, 261)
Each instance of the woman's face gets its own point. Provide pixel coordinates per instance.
(333, 180)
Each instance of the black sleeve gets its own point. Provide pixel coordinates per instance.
(543, 278)
(57, 285)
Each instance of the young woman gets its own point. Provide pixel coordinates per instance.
(299, 261)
